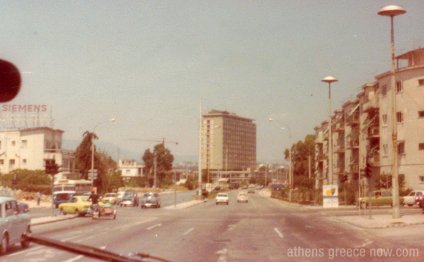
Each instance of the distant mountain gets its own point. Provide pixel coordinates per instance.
(121, 153)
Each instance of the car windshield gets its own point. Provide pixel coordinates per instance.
(213, 130)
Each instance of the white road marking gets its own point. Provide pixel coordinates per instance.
(278, 232)
(188, 231)
(25, 251)
(154, 226)
(222, 255)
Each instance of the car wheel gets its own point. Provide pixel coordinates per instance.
(24, 241)
(62, 211)
(363, 205)
(4, 244)
(410, 205)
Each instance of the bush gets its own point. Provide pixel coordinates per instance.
(27, 180)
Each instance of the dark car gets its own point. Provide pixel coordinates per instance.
(62, 197)
(150, 199)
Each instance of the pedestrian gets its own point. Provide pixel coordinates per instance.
(38, 196)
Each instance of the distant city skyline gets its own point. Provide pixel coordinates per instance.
(150, 65)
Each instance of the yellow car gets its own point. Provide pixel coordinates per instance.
(78, 205)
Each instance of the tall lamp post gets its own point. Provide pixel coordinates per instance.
(290, 156)
(92, 148)
(329, 80)
(392, 11)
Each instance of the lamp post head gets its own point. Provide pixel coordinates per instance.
(391, 10)
(270, 119)
(329, 79)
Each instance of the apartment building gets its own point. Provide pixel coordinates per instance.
(228, 142)
(362, 128)
(28, 148)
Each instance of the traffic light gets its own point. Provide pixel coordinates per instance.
(51, 167)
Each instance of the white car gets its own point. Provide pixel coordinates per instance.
(222, 198)
(14, 224)
(242, 197)
(413, 198)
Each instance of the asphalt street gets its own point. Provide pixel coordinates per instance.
(261, 230)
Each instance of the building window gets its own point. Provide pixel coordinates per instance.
(399, 117)
(421, 114)
(12, 162)
(384, 90)
(24, 161)
(399, 86)
(24, 143)
(421, 179)
(421, 146)
(421, 82)
(401, 148)
(13, 142)
(1, 162)
(384, 118)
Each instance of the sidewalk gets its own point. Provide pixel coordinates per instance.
(381, 221)
(363, 220)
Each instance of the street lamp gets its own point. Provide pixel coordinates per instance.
(290, 155)
(392, 11)
(329, 80)
(92, 148)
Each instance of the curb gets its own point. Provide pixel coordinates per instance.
(185, 204)
(50, 220)
(391, 225)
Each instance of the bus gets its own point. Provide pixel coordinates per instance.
(80, 186)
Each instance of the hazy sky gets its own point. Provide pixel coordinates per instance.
(150, 63)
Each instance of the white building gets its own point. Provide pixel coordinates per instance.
(28, 148)
(130, 168)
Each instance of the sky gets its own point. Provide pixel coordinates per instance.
(153, 66)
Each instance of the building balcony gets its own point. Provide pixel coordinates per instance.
(339, 169)
(339, 149)
(373, 132)
(370, 105)
(354, 168)
(353, 119)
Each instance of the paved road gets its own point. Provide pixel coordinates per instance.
(261, 230)
(168, 199)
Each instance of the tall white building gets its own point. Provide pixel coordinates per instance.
(28, 148)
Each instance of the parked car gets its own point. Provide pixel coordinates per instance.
(111, 198)
(78, 205)
(378, 198)
(222, 198)
(14, 224)
(413, 198)
(242, 197)
(150, 199)
(60, 197)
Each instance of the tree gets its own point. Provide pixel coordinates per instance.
(83, 154)
(301, 151)
(103, 163)
(164, 160)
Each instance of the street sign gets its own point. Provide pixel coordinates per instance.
(92, 175)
